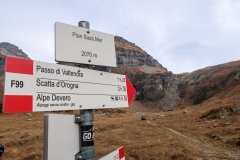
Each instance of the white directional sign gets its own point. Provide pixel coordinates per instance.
(81, 45)
(61, 137)
(62, 143)
(35, 86)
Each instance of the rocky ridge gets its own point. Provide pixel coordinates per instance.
(10, 49)
(149, 77)
(130, 55)
(202, 84)
(166, 90)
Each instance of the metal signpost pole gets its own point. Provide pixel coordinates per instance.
(85, 121)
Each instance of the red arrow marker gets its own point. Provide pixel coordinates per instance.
(121, 152)
(118, 154)
(131, 91)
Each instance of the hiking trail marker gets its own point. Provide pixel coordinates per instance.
(32, 86)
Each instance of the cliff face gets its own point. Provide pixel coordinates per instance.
(200, 85)
(130, 55)
(148, 76)
(156, 84)
(10, 49)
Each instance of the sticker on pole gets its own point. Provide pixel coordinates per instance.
(32, 86)
(87, 136)
(81, 45)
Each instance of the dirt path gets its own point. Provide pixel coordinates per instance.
(205, 150)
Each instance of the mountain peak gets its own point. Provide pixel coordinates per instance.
(131, 55)
(10, 49)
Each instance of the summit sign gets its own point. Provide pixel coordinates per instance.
(81, 45)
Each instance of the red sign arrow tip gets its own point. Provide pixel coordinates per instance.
(131, 91)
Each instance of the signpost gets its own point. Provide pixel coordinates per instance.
(61, 137)
(61, 142)
(32, 86)
(82, 45)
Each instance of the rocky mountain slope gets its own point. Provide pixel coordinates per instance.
(10, 49)
(149, 77)
(130, 55)
(161, 89)
(200, 85)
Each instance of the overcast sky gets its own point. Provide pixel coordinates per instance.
(183, 35)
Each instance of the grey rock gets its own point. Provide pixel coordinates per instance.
(10, 49)
(130, 55)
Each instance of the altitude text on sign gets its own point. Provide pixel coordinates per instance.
(81, 45)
